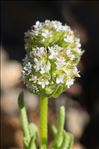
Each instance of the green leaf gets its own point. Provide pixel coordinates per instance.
(32, 143)
(33, 130)
(21, 100)
(67, 141)
(25, 141)
(54, 130)
(62, 139)
(24, 119)
(60, 128)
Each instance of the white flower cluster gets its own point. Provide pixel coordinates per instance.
(53, 52)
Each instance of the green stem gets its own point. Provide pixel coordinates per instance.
(43, 121)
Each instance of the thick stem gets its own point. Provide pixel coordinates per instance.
(43, 121)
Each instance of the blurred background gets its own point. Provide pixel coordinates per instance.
(81, 100)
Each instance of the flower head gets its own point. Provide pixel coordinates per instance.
(53, 52)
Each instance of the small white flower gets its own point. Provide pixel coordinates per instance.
(78, 44)
(78, 51)
(65, 28)
(60, 79)
(43, 83)
(69, 54)
(53, 53)
(57, 25)
(69, 39)
(46, 33)
(72, 57)
(45, 69)
(36, 32)
(35, 88)
(41, 51)
(69, 82)
(34, 52)
(35, 60)
(28, 67)
(38, 51)
(33, 78)
(37, 25)
(76, 72)
(77, 41)
(47, 22)
(60, 62)
(38, 64)
(73, 71)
